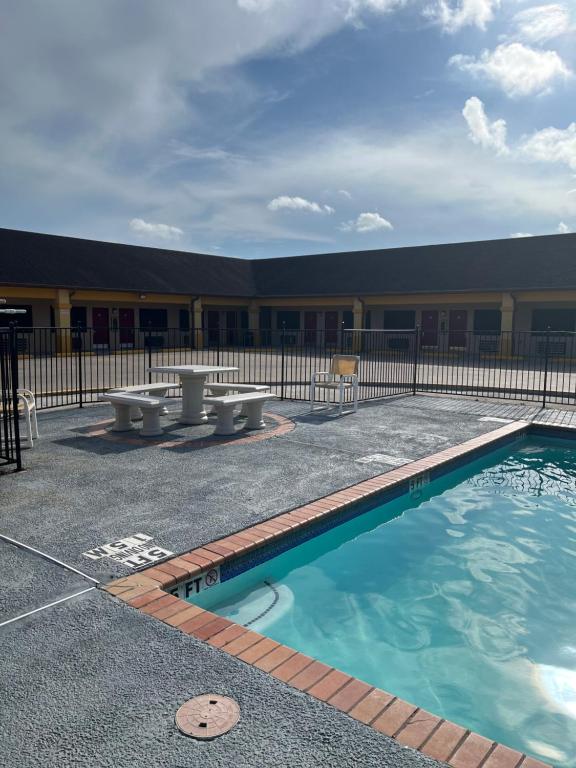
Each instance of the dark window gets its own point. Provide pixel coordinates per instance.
(265, 318)
(399, 319)
(154, 319)
(348, 318)
(23, 321)
(244, 319)
(553, 319)
(78, 318)
(288, 319)
(183, 319)
(487, 321)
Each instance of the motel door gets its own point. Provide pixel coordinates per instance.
(310, 327)
(331, 326)
(126, 325)
(231, 327)
(429, 328)
(457, 329)
(213, 322)
(101, 325)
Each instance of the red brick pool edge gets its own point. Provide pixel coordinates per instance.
(382, 711)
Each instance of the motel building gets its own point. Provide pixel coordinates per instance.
(463, 296)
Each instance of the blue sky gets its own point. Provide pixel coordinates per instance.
(262, 128)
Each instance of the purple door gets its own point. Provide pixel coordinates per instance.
(101, 325)
(310, 326)
(429, 328)
(457, 329)
(126, 325)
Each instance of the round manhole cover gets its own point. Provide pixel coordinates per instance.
(207, 716)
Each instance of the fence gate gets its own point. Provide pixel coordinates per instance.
(10, 449)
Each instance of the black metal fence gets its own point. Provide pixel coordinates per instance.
(71, 367)
(10, 448)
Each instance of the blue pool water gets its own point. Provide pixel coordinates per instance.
(461, 601)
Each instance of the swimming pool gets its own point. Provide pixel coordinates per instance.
(457, 597)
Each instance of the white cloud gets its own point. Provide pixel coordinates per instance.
(564, 229)
(345, 193)
(453, 16)
(521, 234)
(298, 204)
(350, 10)
(366, 222)
(518, 69)
(161, 231)
(542, 22)
(256, 6)
(482, 131)
(552, 145)
(376, 6)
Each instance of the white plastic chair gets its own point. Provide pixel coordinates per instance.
(27, 407)
(342, 378)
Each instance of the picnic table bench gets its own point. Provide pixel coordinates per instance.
(225, 404)
(123, 402)
(159, 389)
(223, 387)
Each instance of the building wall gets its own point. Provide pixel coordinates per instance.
(251, 317)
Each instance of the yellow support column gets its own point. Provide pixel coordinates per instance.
(62, 309)
(196, 309)
(358, 313)
(507, 310)
(254, 322)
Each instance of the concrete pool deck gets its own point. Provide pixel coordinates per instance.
(94, 682)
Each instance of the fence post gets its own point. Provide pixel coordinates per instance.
(79, 366)
(546, 355)
(13, 357)
(282, 347)
(149, 337)
(342, 350)
(416, 350)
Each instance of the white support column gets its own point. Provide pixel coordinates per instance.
(225, 423)
(122, 422)
(255, 418)
(151, 422)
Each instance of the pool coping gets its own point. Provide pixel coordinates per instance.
(408, 724)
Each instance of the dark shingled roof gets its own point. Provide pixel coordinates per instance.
(27, 258)
(531, 263)
(513, 264)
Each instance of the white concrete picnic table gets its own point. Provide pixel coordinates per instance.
(192, 380)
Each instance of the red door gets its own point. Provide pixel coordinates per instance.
(429, 328)
(101, 325)
(457, 329)
(126, 325)
(310, 327)
(331, 326)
